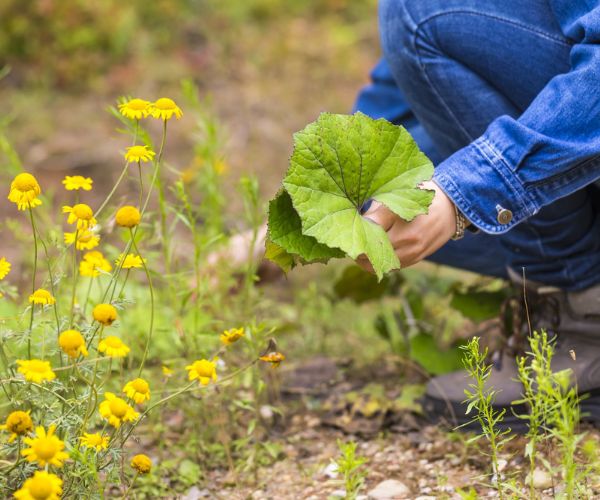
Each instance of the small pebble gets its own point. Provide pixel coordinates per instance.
(390, 489)
(330, 471)
(541, 479)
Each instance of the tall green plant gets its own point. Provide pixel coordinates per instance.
(481, 398)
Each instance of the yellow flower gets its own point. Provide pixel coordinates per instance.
(24, 191)
(45, 448)
(128, 216)
(77, 182)
(113, 346)
(93, 262)
(141, 463)
(96, 441)
(139, 153)
(42, 486)
(164, 109)
(4, 268)
(72, 343)
(105, 314)
(43, 297)
(86, 239)
(167, 372)
(81, 214)
(18, 423)
(116, 410)
(228, 337)
(275, 358)
(130, 261)
(220, 167)
(138, 390)
(135, 109)
(203, 370)
(35, 370)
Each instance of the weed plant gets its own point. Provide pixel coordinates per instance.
(352, 468)
(481, 398)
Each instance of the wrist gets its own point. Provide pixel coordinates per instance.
(461, 223)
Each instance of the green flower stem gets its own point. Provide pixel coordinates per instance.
(156, 166)
(93, 392)
(50, 278)
(130, 485)
(39, 386)
(124, 282)
(35, 258)
(8, 369)
(108, 374)
(149, 278)
(87, 296)
(75, 276)
(89, 342)
(163, 210)
(17, 460)
(121, 177)
(141, 184)
(115, 275)
(112, 192)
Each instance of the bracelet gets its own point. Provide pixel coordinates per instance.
(461, 224)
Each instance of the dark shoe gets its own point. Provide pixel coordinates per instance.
(573, 317)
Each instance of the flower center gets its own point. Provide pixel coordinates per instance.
(118, 407)
(82, 211)
(72, 343)
(204, 369)
(85, 237)
(40, 489)
(95, 440)
(70, 339)
(164, 103)
(18, 423)
(38, 366)
(114, 342)
(25, 182)
(45, 448)
(140, 386)
(137, 104)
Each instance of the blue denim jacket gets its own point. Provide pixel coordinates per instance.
(550, 151)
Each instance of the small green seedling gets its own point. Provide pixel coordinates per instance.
(481, 399)
(352, 469)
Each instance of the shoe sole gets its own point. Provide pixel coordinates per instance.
(453, 415)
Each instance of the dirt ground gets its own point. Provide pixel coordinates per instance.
(431, 461)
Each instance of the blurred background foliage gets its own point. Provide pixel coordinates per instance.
(71, 43)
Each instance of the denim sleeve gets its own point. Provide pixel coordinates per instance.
(551, 150)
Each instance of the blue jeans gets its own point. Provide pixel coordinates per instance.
(453, 66)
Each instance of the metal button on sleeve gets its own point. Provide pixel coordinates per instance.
(504, 215)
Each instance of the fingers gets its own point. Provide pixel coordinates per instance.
(381, 215)
(364, 262)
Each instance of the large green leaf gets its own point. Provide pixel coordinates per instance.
(340, 162)
(286, 245)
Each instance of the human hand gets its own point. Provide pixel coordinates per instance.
(415, 240)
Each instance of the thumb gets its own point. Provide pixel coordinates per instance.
(381, 215)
